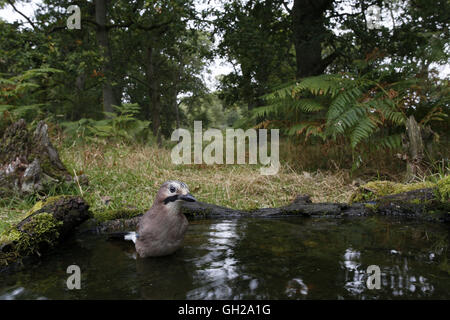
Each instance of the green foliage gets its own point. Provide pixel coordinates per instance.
(256, 36)
(23, 96)
(156, 55)
(354, 106)
(208, 109)
(122, 125)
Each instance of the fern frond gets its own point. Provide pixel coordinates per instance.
(389, 142)
(365, 128)
(343, 101)
(389, 111)
(307, 105)
(266, 110)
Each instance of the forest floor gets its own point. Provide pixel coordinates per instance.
(128, 176)
(124, 178)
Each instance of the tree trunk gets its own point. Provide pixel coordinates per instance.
(103, 41)
(154, 95)
(176, 77)
(415, 149)
(309, 33)
(177, 113)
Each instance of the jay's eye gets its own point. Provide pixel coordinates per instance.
(172, 189)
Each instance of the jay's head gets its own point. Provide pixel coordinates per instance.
(174, 192)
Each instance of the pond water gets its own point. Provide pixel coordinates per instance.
(286, 258)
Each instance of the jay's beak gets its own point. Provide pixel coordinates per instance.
(188, 197)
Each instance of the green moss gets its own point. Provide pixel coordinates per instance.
(40, 232)
(5, 187)
(444, 266)
(38, 206)
(41, 204)
(443, 189)
(13, 235)
(10, 235)
(376, 189)
(372, 207)
(16, 140)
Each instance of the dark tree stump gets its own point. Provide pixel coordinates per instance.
(416, 141)
(28, 161)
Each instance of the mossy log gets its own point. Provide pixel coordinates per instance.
(28, 161)
(421, 204)
(301, 206)
(375, 190)
(45, 225)
(417, 204)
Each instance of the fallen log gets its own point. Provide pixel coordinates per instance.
(46, 224)
(62, 216)
(301, 206)
(419, 204)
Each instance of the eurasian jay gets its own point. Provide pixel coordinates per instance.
(161, 229)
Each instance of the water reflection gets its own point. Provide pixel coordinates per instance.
(401, 281)
(354, 276)
(396, 278)
(218, 267)
(13, 295)
(296, 287)
(252, 259)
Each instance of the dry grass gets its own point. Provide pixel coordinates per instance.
(131, 175)
(366, 162)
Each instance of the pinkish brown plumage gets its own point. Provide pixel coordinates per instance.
(162, 228)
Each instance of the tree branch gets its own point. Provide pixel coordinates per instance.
(23, 15)
(138, 80)
(343, 15)
(154, 26)
(56, 28)
(285, 5)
